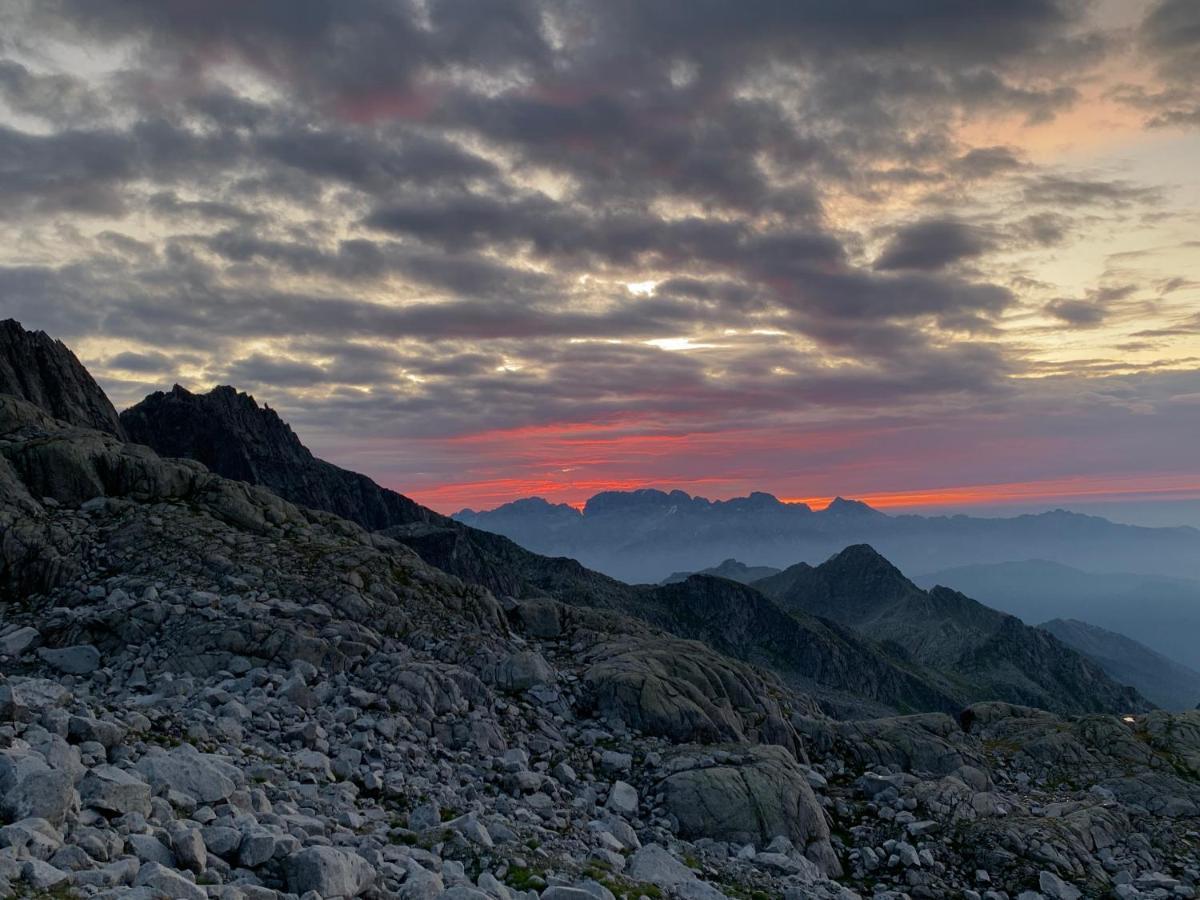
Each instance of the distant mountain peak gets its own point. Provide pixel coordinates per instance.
(840, 506)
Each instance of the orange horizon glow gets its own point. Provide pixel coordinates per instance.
(489, 494)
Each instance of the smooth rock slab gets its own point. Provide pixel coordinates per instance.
(654, 865)
(764, 797)
(329, 872)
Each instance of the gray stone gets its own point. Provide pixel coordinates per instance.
(751, 802)
(114, 790)
(1057, 889)
(622, 799)
(256, 848)
(168, 883)
(654, 865)
(41, 875)
(148, 848)
(328, 871)
(187, 843)
(46, 794)
(185, 769)
(82, 659)
(18, 641)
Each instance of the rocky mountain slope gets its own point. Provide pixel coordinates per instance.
(983, 653)
(645, 535)
(45, 372)
(731, 569)
(1162, 613)
(1163, 681)
(207, 691)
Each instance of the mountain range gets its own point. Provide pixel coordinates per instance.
(851, 671)
(209, 689)
(646, 535)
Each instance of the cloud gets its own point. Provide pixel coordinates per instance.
(932, 244)
(1080, 313)
(421, 220)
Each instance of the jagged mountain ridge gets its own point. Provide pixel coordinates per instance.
(37, 368)
(983, 652)
(646, 535)
(1163, 681)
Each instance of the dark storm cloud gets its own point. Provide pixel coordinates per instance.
(932, 244)
(168, 203)
(372, 162)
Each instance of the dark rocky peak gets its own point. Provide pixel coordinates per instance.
(44, 372)
(224, 429)
(235, 437)
(862, 567)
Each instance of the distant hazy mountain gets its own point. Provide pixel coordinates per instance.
(981, 652)
(1157, 678)
(1162, 613)
(731, 569)
(646, 535)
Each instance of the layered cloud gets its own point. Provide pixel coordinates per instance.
(472, 248)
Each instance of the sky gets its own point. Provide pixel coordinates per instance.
(937, 254)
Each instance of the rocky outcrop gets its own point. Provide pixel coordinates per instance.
(37, 368)
(753, 796)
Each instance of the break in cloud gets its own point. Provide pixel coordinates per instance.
(482, 250)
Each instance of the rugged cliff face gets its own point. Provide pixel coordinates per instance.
(37, 368)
